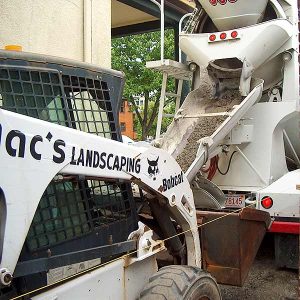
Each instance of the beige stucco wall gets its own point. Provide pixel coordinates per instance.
(56, 27)
(101, 40)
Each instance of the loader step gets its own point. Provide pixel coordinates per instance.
(173, 68)
(172, 95)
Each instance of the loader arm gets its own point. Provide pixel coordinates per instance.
(33, 152)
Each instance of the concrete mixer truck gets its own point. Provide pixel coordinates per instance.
(69, 225)
(239, 126)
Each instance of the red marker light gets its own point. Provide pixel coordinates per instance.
(222, 2)
(212, 37)
(223, 36)
(213, 2)
(234, 34)
(267, 202)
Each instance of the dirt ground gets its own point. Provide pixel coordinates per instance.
(265, 281)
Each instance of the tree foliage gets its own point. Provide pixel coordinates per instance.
(168, 109)
(130, 54)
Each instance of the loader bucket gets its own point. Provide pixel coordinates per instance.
(232, 14)
(229, 245)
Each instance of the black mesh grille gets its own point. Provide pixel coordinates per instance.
(34, 94)
(73, 208)
(77, 102)
(85, 114)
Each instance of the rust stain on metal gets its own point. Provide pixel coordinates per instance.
(161, 189)
(230, 244)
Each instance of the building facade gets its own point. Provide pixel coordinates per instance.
(81, 29)
(74, 29)
(126, 120)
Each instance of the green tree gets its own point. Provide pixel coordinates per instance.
(130, 54)
(168, 109)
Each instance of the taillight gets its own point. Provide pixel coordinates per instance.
(223, 36)
(266, 202)
(234, 34)
(222, 2)
(212, 37)
(213, 2)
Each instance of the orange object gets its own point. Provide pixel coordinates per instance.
(13, 47)
(126, 120)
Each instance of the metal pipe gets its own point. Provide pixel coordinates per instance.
(180, 116)
(294, 153)
(167, 228)
(161, 7)
(250, 164)
(87, 31)
(161, 105)
(180, 27)
(278, 8)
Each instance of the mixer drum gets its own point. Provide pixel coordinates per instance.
(231, 14)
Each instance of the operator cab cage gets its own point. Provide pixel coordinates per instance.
(73, 213)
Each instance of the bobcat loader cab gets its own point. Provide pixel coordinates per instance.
(66, 200)
(69, 224)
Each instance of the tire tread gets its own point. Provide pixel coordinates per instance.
(172, 282)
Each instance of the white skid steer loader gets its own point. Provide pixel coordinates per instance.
(68, 222)
(69, 225)
(65, 200)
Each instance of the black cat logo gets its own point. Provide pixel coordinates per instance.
(153, 168)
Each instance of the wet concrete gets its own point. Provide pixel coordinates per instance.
(183, 134)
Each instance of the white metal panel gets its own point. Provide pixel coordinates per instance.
(292, 127)
(265, 39)
(286, 198)
(239, 134)
(266, 151)
(116, 280)
(233, 14)
(26, 178)
(137, 275)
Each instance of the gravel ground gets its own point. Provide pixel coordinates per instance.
(265, 281)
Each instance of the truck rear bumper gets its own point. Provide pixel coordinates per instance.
(285, 227)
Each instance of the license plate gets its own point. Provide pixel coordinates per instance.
(235, 201)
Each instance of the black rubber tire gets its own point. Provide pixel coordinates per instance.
(181, 283)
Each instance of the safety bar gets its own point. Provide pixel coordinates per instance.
(161, 7)
(180, 28)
